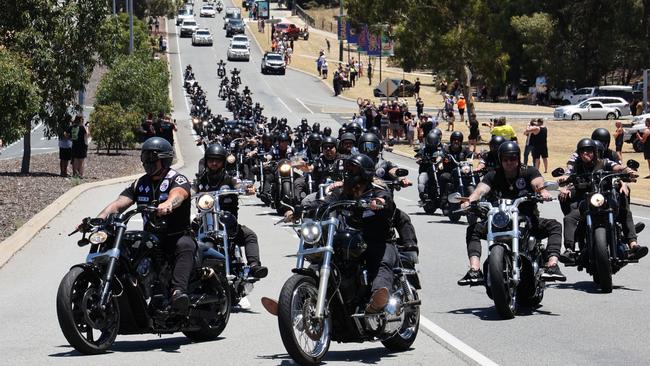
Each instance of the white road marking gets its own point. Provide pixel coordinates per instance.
(405, 199)
(642, 217)
(452, 341)
(44, 148)
(285, 105)
(303, 104)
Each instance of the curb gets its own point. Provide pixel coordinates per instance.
(25, 233)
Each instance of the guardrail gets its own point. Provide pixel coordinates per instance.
(297, 10)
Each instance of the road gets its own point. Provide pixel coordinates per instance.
(575, 325)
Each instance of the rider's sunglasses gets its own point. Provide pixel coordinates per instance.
(148, 156)
(329, 146)
(509, 158)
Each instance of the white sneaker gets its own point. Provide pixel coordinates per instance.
(244, 303)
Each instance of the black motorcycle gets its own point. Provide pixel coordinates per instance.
(221, 70)
(603, 249)
(325, 301)
(464, 181)
(431, 199)
(124, 286)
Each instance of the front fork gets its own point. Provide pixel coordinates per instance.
(114, 256)
(325, 271)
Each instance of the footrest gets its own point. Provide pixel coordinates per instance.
(364, 315)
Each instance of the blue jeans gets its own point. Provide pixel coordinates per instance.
(527, 151)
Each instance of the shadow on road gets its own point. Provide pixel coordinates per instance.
(369, 356)
(588, 286)
(30, 174)
(490, 314)
(169, 345)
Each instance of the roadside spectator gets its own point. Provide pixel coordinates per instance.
(327, 42)
(500, 128)
(160, 43)
(150, 25)
(539, 142)
(443, 87)
(416, 89)
(394, 121)
(165, 128)
(419, 107)
(645, 139)
(618, 139)
(147, 129)
(156, 25)
(461, 103)
(324, 68)
(411, 124)
(65, 152)
(288, 54)
(353, 74)
(336, 82)
(473, 131)
(426, 125)
(528, 148)
(369, 73)
(639, 108)
(449, 111)
(633, 106)
(78, 134)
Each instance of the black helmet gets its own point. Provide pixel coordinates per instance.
(585, 144)
(509, 148)
(267, 136)
(600, 149)
(432, 140)
(355, 128)
(341, 131)
(315, 127)
(303, 122)
(328, 141)
(495, 142)
(154, 149)
(456, 136)
(438, 132)
(274, 119)
(327, 131)
(314, 141)
(374, 129)
(602, 135)
(284, 137)
(359, 167)
(215, 151)
(369, 144)
(348, 136)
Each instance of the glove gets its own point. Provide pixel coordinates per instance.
(411, 254)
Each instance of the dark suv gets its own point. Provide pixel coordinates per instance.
(234, 26)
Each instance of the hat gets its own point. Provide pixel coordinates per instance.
(461, 96)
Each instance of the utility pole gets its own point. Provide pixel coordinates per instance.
(645, 90)
(341, 27)
(130, 27)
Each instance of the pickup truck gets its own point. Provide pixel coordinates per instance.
(292, 31)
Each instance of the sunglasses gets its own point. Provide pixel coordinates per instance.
(510, 158)
(148, 157)
(329, 146)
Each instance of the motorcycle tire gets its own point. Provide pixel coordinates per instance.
(499, 272)
(290, 306)
(79, 288)
(211, 329)
(430, 207)
(603, 267)
(454, 217)
(405, 336)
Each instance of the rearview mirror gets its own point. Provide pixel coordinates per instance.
(401, 172)
(557, 172)
(633, 164)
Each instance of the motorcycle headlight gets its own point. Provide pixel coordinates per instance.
(98, 237)
(285, 169)
(195, 120)
(500, 220)
(231, 159)
(310, 232)
(205, 202)
(466, 169)
(597, 200)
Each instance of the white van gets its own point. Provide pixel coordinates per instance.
(621, 91)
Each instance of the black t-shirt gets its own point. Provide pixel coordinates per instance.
(165, 130)
(229, 203)
(144, 191)
(490, 160)
(501, 187)
(324, 168)
(78, 136)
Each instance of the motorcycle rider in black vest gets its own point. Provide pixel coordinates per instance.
(170, 190)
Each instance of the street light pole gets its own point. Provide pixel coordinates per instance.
(130, 26)
(340, 28)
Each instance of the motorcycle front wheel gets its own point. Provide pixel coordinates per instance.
(603, 273)
(89, 329)
(305, 338)
(212, 328)
(406, 335)
(499, 280)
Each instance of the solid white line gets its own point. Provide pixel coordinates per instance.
(642, 217)
(180, 69)
(285, 105)
(303, 104)
(452, 341)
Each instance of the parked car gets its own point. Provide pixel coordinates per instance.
(620, 91)
(621, 105)
(241, 38)
(238, 51)
(202, 36)
(235, 26)
(629, 135)
(398, 88)
(291, 31)
(273, 62)
(188, 27)
(231, 13)
(640, 118)
(208, 11)
(184, 13)
(585, 110)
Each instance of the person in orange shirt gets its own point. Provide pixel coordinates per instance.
(461, 107)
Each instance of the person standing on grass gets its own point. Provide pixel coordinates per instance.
(324, 68)
(461, 107)
(369, 73)
(473, 132)
(416, 89)
(327, 43)
(65, 152)
(419, 107)
(618, 140)
(645, 139)
(539, 142)
(78, 135)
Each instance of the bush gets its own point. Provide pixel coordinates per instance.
(113, 128)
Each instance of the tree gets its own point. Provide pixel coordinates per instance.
(116, 41)
(59, 39)
(113, 127)
(19, 96)
(138, 83)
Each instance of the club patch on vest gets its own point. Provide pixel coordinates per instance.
(521, 183)
(164, 185)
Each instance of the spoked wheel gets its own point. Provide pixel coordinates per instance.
(406, 335)
(503, 292)
(603, 274)
(212, 328)
(89, 328)
(305, 337)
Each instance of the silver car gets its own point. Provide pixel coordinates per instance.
(188, 27)
(239, 51)
(202, 36)
(585, 110)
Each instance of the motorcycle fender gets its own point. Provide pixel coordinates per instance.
(306, 272)
(504, 245)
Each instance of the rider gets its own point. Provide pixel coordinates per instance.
(328, 164)
(428, 149)
(170, 191)
(588, 162)
(456, 150)
(213, 178)
(511, 180)
(347, 143)
(490, 159)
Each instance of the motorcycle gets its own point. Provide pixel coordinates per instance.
(123, 287)
(464, 181)
(515, 262)
(214, 233)
(431, 198)
(282, 188)
(221, 70)
(603, 249)
(325, 302)
(219, 8)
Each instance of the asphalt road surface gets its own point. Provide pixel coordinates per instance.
(575, 324)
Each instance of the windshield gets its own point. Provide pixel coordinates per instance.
(274, 57)
(240, 39)
(236, 22)
(584, 105)
(202, 33)
(239, 46)
(189, 23)
(207, 7)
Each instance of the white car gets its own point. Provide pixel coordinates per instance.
(185, 13)
(585, 110)
(208, 11)
(188, 27)
(621, 105)
(640, 118)
(241, 38)
(202, 36)
(239, 51)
